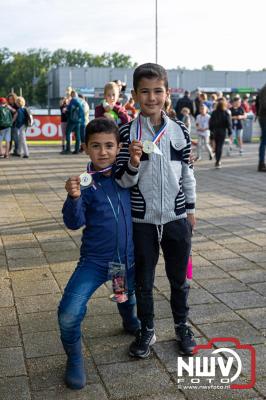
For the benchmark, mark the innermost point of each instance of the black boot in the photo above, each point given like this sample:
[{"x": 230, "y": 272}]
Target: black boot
[{"x": 262, "y": 167}]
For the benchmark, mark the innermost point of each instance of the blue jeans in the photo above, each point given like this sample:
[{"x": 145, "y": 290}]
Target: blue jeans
[
  {"x": 82, "y": 133},
  {"x": 86, "y": 278},
  {"x": 71, "y": 127},
  {"x": 262, "y": 121}
]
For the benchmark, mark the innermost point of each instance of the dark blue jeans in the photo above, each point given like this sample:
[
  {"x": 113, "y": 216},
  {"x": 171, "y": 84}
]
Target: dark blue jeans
[
  {"x": 176, "y": 246},
  {"x": 262, "y": 121},
  {"x": 86, "y": 278},
  {"x": 14, "y": 138},
  {"x": 71, "y": 127},
  {"x": 82, "y": 133}
]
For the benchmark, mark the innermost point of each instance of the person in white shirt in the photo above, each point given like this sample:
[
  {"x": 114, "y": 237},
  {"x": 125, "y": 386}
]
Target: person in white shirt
[{"x": 203, "y": 132}]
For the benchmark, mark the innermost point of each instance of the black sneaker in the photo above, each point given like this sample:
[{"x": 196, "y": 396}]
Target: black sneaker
[
  {"x": 185, "y": 338},
  {"x": 141, "y": 346}
]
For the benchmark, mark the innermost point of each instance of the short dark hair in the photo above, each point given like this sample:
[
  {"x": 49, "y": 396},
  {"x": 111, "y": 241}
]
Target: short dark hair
[
  {"x": 149, "y": 71},
  {"x": 99, "y": 125}
]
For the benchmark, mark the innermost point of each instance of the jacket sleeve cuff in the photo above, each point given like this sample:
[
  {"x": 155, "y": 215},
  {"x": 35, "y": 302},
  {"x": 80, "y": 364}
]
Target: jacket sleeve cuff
[
  {"x": 190, "y": 208},
  {"x": 131, "y": 170}
]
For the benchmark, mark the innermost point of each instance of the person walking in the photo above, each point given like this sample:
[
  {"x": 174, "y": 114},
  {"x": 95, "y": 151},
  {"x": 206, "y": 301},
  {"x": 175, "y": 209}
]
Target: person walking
[
  {"x": 261, "y": 113},
  {"x": 220, "y": 122},
  {"x": 21, "y": 125}
]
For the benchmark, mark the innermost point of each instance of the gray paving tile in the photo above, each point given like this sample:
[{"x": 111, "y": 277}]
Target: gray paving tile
[
  {"x": 259, "y": 287},
  {"x": 25, "y": 289},
  {"x": 257, "y": 275},
  {"x": 40, "y": 344},
  {"x": 255, "y": 316},
  {"x": 9, "y": 336},
  {"x": 45, "y": 302},
  {"x": 96, "y": 326},
  {"x": 217, "y": 254},
  {"x": 63, "y": 245},
  {"x": 48, "y": 372},
  {"x": 239, "y": 300},
  {"x": 238, "y": 329},
  {"x": 67, "y": 255},
  {"x": 209, "y": 273},
  {"x": 205, "y": 313},
  {"x": 38, "y": 322},
  {"x": 120, "y": 387},
  {"x": 15, "y": 388},
  {"x": 8, "y": 316},
  {"x": 12, "y": 362},
  {"x": 235, "y": 264},
  {"x": 31, "y": 275},
  {"x": 24, "y": 253},
  {"x": 223, "y": 285},
  {"x": 26, "y": 263},
  {"x": 92, "y": 392}
]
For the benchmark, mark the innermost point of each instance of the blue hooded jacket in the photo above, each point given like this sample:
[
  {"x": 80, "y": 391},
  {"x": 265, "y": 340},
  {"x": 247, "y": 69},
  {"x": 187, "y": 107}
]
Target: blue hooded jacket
[{"x": 102, "y": 235}]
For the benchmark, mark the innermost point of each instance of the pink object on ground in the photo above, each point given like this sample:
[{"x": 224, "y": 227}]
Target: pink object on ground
[{"x": 189, "y": 268}]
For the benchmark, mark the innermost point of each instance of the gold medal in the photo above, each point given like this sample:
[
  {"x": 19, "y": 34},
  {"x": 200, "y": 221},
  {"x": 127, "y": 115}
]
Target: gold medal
[
  {"x": 85, "y": 179},
  {"x": 148, "y": 147}
]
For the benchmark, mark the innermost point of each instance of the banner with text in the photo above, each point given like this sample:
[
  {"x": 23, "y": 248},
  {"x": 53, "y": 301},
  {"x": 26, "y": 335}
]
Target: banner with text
[{"x": 45, "y": 127}]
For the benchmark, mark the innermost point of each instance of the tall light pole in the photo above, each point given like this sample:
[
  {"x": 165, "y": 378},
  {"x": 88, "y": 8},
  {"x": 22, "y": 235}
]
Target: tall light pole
[{"x": 156, "y": 31}]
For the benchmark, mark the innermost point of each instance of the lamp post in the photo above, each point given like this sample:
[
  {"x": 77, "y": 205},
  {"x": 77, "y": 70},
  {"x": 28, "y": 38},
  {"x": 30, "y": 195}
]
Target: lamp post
[{"x": 156, "y": 31}]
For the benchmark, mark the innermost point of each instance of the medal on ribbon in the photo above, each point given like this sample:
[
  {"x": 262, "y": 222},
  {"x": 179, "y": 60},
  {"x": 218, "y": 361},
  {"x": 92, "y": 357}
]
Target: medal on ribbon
[
  {"x": 150, "y": 146},
  {"x": 86, "y": 177}
]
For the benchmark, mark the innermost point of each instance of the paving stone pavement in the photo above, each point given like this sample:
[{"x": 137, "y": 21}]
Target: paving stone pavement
[{"x": 38, "y": 254}]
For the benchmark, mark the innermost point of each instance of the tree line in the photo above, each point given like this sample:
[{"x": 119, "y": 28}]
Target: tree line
[{"x": 27, "y": 71}]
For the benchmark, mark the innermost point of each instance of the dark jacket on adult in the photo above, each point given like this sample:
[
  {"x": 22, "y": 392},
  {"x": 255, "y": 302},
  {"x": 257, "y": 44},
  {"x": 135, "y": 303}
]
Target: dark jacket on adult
[
  {"x": 219, "y": 123},
  {"x": 181, "y": 103}
]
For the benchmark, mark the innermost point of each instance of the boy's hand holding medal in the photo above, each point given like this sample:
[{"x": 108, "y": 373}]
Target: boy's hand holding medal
[
  {"x": 135, "y": 150},
  {"x": 72, "y": 187}
]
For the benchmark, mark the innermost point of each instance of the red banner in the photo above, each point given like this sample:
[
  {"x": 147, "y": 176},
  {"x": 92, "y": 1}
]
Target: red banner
[{"x": 45, "y": 127}]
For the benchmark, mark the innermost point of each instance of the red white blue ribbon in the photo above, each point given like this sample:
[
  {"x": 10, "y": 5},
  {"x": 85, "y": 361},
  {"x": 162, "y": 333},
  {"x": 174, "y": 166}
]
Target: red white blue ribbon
[
  {"x": 98, "y": 172},
  {"x": 158, "y": 135}
]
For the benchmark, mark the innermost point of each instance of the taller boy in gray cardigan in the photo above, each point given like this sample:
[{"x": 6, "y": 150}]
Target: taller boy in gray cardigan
[{"x": 162, "y": 201}]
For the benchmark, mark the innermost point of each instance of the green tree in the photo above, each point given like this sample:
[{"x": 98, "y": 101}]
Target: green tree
[
  {"x": 208, "y": 67},
  {"x": 28, "y": 70}
]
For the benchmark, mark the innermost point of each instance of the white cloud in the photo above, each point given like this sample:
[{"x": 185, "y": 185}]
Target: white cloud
[{"x": 229, "y": 35}]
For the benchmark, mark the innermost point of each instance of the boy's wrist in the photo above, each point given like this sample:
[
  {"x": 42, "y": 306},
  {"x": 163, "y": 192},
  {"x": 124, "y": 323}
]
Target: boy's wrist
[
  {"x": 133, "y": 169},
  {"x": 73, "y": 197}
]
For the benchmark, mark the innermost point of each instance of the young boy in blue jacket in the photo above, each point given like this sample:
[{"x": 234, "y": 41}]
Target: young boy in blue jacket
[
  {"x": 154, "y": 163},
  {"x": 104, "y": 209}
]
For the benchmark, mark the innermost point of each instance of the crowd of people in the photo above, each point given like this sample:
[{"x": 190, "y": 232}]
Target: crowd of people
[
  {"x": 75, "y": 113},
  {"x": 14, "y": 120},
  {"x": 216, "y": 118}
]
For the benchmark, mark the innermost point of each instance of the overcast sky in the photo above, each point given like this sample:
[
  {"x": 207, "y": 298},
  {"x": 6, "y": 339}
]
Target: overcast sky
[{"x": 228, "y": 34}]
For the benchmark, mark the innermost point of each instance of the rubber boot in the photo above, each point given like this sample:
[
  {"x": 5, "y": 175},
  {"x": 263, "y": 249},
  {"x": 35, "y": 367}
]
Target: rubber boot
[
  {"x": 75, "y": 376},
  {"x": 127, "y": 311}
]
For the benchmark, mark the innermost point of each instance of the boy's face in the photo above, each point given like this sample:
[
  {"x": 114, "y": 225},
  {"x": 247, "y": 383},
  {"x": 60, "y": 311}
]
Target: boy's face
[
  {"x": 151, "y": 95},
  {"x": 112, "y": 96},
  {"x": 102, "y": 149}
]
